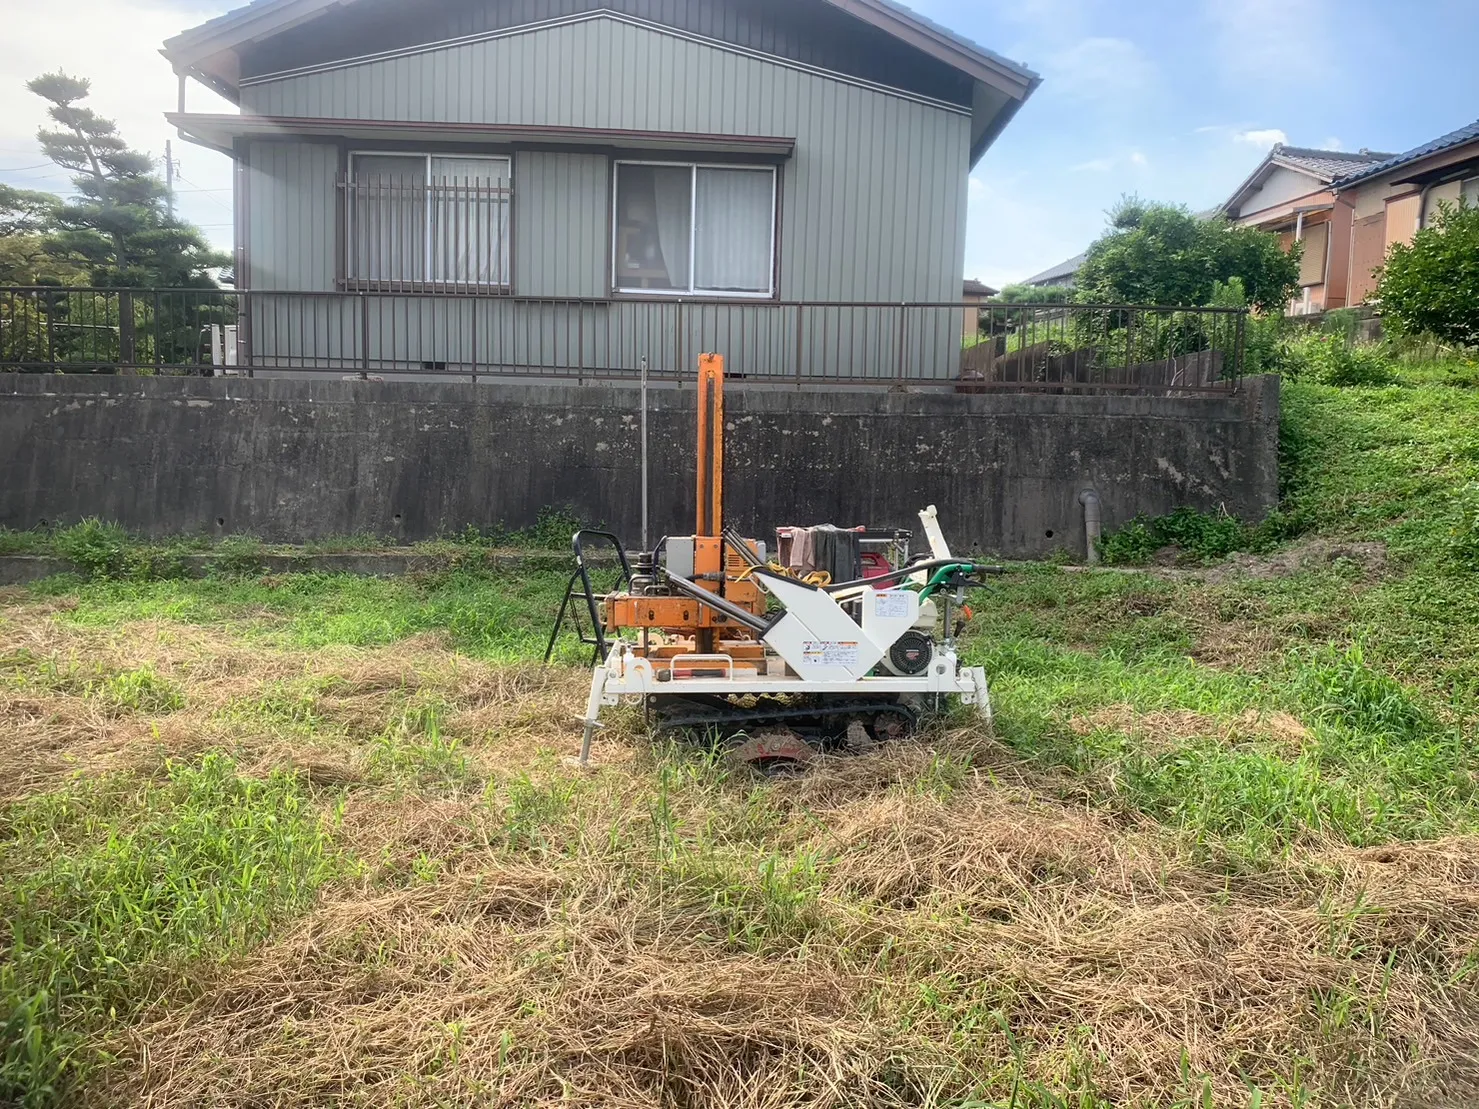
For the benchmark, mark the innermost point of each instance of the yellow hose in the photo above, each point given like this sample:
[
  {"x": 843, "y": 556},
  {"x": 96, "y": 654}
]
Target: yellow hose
[{"x": 819, "y": 578}]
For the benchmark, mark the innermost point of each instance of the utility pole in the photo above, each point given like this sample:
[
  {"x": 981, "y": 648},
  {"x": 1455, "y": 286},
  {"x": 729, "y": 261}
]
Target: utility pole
[{"x": 169, "y": 176}]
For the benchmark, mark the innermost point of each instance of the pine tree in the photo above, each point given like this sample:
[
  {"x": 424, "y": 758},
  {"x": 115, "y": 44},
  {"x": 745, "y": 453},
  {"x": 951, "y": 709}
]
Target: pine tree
[{"x": 118, "y": 225}]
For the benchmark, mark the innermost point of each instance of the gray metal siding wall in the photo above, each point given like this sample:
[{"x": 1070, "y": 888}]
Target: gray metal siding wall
[
  {"x": 872, "y": 202},
  {"x": 561, "y": 224},
  {"x": 291, "y": 215}
]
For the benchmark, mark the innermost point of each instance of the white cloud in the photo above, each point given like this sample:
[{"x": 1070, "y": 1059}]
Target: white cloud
[
  {"x": 1095, "y": 68},
  {"x": 1271, "y": 136},
  {"x": 1138, "y": 159},
  {"x": 1256, "y": 40},
  {"x": 1094, "y": 165},
  {"x": 1331, "y": 143},
  {"x": 119, "y": 52}
]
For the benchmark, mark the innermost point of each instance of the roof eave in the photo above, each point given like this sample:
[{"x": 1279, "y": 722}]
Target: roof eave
[
  {"x": 1014, "y": 80},
  {"x": 998, "y": 124},
  {"x": 187, "y": 49}
]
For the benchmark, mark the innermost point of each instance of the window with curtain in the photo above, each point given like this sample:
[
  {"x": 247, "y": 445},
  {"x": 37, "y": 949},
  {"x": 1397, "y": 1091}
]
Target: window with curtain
[
  {"x": 703, "y": 230},
  {"x": 1316, "y": 248},
  {"x": 437, "y": 220},
  {"x": 1469, "y": 190}
]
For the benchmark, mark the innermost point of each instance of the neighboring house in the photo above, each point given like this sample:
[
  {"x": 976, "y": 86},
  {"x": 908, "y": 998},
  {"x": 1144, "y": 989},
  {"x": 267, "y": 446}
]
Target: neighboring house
[
  {"x": 1348, "y": 209},
  {"x": 1391, "y": 201},
  {"x": 1065, "y": 273},
  {"x": 976, "y": 294},
  {"x": 565, "y": 187},
  {"x": 1291, "y": 193}
]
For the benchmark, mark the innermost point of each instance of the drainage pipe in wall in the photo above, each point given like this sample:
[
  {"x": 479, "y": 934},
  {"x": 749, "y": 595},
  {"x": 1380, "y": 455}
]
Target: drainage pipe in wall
[{"x": 1090, "y": 500}]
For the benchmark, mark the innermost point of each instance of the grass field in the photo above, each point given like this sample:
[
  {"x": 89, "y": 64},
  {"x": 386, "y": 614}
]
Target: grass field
[{"x": 309, "y": 840}]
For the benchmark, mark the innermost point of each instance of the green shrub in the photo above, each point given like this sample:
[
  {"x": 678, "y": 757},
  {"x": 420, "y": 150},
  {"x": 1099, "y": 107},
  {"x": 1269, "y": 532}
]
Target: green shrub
[
  {"x": 1344, "y": 323},
  {"x": 1430, "y": 286},
  {"x": 1162, "y": 254},
  {"x": 551, "y": 531},
  {"x": 1200, "y": 536},
  {"x": 1325, "y": 359},
  {"x": 24, "y": 542},
  {"x": 1463, "y": 541},
  {"x": 99, "y": 550}
]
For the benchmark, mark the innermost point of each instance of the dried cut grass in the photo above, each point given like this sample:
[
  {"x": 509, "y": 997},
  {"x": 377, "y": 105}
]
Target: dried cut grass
[
  {"x": 937, "y": 923},
  {"x": 515, "y": 986},
  {"x": 863, "y": 935},
  {"x": 49, "y": 734}
]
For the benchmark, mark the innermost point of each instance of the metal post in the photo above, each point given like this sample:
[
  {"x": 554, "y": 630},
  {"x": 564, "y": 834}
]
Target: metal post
[
  {"x": 900, "y": 367},
  {"x": 1238, "y": 351},
  {"x": 800, "y": 315},
  {"x": 364, "y": 337},
  {"x": 645, "y": 545},
  {"x": 125, "y": 328},
  {"x": 475, "y": 302}
]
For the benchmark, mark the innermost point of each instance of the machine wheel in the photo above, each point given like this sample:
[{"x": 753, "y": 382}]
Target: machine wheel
[{"x": 796, "y": 731}]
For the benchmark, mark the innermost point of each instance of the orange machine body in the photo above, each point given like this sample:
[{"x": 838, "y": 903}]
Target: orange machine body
[{"x": 687, "y": 626}]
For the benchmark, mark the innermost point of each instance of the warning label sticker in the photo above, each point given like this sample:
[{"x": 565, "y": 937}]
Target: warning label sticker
[
  {"x": 831, "y": 652},
  {"x": 891, "y": 604}
]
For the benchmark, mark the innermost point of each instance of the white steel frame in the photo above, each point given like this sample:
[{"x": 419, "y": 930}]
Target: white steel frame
[{"x": 626, "y": 675}]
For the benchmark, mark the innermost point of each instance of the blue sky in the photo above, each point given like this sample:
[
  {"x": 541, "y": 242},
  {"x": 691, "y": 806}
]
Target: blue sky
[
  {"x": 1173, "y": 99},
  {"x": 1177, "y": 100}
]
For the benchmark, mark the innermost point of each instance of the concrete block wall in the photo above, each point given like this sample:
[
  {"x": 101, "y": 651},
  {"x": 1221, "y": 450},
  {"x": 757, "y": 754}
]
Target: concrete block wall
[{"x": 292, "y": 460}]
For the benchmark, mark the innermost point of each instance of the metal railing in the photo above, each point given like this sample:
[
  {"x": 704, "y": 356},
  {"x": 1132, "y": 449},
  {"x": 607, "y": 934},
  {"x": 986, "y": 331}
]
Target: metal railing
[
  {"x": 421, "y": 335},
  {"x": 442, "y": 235}
]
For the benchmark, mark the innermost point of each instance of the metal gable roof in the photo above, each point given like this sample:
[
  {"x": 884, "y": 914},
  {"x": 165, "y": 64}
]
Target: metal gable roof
[
  {"x": 261, "y": 18},
  {"x": 211, "y": 52},
  {"x": 1463, "y": 135}
]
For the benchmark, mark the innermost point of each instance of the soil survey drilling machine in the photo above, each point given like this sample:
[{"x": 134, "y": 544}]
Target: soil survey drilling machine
[{"x": 716, "y": 639}]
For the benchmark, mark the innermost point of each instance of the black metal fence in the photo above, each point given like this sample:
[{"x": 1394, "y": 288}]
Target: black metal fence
[{"x": 407, "y": 335}]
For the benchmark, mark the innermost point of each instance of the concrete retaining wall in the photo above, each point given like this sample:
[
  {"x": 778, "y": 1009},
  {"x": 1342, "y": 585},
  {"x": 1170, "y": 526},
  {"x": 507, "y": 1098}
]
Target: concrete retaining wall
[{"x": 295, "y": 460}]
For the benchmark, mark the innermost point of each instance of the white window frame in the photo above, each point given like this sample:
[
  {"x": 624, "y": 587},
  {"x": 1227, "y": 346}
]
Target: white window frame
[
  {"x": 1469, "y": 184},
  {"x": 693, "y": 290},
  {"x": 426, "y": 278}
]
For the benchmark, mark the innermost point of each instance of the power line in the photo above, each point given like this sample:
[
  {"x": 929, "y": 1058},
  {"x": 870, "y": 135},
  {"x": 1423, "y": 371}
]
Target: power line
[
  {"x": 207, "y": 192},
  {"x": 23, "y": 169}
]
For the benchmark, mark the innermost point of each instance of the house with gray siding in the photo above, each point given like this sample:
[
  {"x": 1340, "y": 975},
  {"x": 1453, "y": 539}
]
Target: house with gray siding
[{"x": 571, "y": 187}]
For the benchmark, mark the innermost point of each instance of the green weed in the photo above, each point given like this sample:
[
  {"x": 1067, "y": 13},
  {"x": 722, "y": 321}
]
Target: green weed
[
  {"x": 1338, "y": 687},
  {"x": 501, "y": 617},
  {"x": 414, "y": 748},
  {"x": 113, "y": 889},
  {"x": 141, "y": 691}
]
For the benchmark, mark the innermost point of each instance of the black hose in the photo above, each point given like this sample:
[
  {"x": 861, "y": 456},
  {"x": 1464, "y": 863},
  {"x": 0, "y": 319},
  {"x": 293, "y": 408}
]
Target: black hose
[{"x": 915, "y": 568}]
